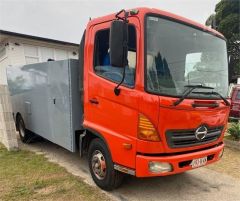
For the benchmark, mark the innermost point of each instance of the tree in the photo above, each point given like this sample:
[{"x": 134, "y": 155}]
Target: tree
[{"x": 227, "y": 21}]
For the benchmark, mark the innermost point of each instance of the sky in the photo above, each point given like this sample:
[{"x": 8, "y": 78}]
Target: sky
[{"x": 66, "y": 19}]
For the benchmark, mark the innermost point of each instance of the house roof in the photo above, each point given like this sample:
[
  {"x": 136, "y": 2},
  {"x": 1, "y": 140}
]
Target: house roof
[{"x": 4, "y": 32}]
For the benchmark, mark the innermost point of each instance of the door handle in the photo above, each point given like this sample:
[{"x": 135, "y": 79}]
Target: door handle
[{"x": 94, "y": 101}]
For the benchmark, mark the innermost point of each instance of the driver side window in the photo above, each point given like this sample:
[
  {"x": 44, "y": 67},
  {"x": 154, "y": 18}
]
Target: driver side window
[{"x": 102, "y": 65}]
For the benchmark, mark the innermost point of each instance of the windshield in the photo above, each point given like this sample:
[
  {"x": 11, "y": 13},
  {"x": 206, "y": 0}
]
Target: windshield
[{"x": 178, "y": 55}]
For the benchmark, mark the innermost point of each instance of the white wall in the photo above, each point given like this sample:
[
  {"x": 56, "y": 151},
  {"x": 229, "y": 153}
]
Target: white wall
[
  {"x": 25, "y": 51},
  {"x": 37, "y": 53},
  {"x": 3, "y": 64},
  {"x": 15, "y": 54}
]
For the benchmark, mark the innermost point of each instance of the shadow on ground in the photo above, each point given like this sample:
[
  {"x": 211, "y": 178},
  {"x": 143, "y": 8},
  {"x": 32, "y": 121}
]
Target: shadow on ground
[{"x": 200, "y": 184}]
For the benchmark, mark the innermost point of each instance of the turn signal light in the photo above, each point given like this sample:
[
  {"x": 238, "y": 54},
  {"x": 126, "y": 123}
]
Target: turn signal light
[{"x": 146, "y": 130}]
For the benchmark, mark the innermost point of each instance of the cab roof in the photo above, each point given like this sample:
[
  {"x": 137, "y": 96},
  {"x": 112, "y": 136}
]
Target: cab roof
[{"x": 143, "y": 11}]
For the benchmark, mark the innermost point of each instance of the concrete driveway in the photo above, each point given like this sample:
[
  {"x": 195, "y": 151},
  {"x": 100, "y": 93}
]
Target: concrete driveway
[{"x": 199, "y": 185}]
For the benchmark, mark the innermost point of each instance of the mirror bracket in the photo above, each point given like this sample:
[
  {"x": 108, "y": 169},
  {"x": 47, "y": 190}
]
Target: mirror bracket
[
  {"x": 126, "y": 14},
  {"x": 117, "y": 91}
]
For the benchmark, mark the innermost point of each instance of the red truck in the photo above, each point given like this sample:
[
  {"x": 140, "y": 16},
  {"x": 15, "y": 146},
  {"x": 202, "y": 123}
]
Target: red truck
[
  {"x": 235, "y": 102},
  {"x": 153, "y": 88}
]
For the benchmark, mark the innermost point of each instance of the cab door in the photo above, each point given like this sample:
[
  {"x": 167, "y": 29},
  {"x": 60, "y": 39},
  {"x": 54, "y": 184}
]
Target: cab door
[{"x": 114, "y": 117}]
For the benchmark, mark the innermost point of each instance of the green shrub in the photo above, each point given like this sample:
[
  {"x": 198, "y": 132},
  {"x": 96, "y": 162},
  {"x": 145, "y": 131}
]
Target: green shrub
[{"x": 234, "y": 130}]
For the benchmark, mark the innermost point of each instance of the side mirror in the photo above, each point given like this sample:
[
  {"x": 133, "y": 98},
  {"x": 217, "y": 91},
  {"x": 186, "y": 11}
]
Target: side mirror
[{"x": 118, "y": 43}]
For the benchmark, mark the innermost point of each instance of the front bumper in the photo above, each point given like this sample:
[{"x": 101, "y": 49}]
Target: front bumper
[{"x": 180, "y": 163}]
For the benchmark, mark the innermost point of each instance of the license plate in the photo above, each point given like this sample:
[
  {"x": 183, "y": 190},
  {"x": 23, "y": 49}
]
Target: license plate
[{"x": 198, "y": 162}]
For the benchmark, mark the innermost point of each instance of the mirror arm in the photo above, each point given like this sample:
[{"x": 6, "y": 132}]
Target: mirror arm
[
  {"x": 118, "y": 13},
  {"x": 116, "y": 89},
  {"x": 122, "y": 18}
]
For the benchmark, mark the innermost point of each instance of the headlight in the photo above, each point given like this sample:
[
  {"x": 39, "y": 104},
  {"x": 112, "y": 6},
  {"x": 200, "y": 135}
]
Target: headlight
[{"x": 159, "y": 167}]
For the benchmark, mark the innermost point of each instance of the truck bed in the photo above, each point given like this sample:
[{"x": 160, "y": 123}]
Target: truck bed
[{"x": 48, "y": 98}]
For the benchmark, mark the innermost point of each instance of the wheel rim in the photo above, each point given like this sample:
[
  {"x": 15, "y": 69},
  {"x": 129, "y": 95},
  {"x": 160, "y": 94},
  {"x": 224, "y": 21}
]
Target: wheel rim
[
  {"x": 98, "y": 165},
  {"x": 21, "y": 129}
]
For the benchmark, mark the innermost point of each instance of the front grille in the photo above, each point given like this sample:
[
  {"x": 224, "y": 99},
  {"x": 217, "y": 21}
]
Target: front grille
[{"x": 187, "y": 138}]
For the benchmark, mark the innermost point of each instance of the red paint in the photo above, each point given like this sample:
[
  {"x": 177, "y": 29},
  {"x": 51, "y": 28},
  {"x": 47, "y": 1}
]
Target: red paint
[
  {"x": 116, "y": 117},
  {"x": 142, "y": 161}
]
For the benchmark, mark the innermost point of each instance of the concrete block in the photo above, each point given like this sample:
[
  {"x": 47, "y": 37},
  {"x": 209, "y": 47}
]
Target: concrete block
[
  {"x": 1, "y": 107},
  {"x": 7, "y": 125},
  {"x": 6, "y": 104},
  {"x": 1, "y": 117},
  {"x": 2, "y": 126},
  {"x": 7, "y": 116},
  {"x": 12, "y": 145}
]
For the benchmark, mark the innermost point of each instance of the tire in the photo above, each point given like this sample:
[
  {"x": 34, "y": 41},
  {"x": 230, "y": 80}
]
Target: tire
[
  {"x": 25, "y": 136},
  {"x": 98, "y": 154}
]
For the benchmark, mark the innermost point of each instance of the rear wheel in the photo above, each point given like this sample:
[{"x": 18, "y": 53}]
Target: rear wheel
[
  {"x": 102, "y": 167},
  {"x": 25, "y": 136}
]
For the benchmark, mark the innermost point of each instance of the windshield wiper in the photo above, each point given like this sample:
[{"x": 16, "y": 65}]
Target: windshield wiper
[
  {"x": 214, "y": 93},
  {"x": 189, "y": 90}
]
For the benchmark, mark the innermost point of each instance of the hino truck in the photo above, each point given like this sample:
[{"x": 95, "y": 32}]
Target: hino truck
[{"x": 147, "y": 97}]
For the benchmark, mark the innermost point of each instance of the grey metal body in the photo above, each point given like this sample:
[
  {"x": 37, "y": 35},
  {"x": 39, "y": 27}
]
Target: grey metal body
[{"x": 47, "y": 97}]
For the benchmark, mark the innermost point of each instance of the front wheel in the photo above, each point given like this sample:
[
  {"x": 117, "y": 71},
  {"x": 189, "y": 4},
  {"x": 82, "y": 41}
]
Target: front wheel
[{"x": 102, "y": 167}]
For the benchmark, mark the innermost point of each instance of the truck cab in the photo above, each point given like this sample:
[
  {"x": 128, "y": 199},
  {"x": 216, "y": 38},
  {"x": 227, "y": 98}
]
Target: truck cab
[{"x": 171, "y": 111}]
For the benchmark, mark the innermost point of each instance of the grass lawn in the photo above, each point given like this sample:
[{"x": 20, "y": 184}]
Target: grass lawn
[{"x": 27, "y": 176}]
